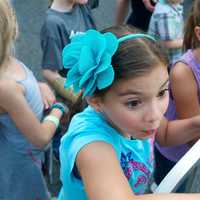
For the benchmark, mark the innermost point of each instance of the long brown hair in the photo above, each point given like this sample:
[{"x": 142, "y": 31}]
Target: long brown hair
[{"x": 190, "y": 40}]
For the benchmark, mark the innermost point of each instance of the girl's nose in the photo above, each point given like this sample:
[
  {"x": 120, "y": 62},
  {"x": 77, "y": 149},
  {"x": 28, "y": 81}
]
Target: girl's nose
[{"x": 153, "y": 113}]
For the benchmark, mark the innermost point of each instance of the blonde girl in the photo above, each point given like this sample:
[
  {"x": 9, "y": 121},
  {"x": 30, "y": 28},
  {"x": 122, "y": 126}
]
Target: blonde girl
[{"x": 22, "y": 134}]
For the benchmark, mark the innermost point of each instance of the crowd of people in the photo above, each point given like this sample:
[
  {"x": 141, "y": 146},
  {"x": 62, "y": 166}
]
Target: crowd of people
[{"x": 112, "y": 102}]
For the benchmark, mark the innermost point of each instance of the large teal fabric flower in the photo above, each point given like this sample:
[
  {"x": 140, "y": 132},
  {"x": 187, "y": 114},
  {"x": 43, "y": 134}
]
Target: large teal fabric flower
[{"x": 88, "y": 57}]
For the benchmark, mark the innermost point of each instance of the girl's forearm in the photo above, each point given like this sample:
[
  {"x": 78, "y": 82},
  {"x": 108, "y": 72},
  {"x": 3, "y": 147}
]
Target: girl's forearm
[
  {"x": 49, "y": 128},
  {"x": 178, "y": 132}
]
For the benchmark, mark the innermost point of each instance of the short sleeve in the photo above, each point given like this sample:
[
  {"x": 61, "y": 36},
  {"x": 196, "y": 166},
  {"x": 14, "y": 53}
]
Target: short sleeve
[
  {"x": 71, "y": 146},
  {"x": 53, "y": 38},
  {"x": 51, "y": 53}
]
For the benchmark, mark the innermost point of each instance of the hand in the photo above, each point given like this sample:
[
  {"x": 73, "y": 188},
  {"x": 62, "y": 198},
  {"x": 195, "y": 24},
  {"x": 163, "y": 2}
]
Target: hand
[
  {"x": 148, "y": 5},
  {"x": 65, "y": 117},
  {"x": 61, "y": 106},
  {"x": 48, "y": 96}
]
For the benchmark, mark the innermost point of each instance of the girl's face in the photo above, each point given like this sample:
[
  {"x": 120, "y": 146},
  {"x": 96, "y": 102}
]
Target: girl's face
[{"x": 136, "y": 106}]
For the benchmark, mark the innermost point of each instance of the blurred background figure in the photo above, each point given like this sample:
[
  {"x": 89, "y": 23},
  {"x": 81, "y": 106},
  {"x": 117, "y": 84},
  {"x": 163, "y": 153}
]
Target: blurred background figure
[{"x": 140, "y": 12}]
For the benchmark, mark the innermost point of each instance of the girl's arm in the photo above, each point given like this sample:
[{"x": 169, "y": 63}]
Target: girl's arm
[
  {"x": 186, "y": 98},
  {"x": 185, "y": 94},
  {"x": 13, "y": 102},
  {"x": 121, "y": 11},
  {"x": 184, "y": 91},
  {"x": 104, "y": 179},
  {"x": 177, "y": 132}
]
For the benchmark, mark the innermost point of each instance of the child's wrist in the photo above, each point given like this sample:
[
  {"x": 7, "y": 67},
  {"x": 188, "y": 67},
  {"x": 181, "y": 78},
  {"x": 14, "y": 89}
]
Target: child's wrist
[
  {"x": 51, "y": 118},
  {"x": 61, "y": 107}
]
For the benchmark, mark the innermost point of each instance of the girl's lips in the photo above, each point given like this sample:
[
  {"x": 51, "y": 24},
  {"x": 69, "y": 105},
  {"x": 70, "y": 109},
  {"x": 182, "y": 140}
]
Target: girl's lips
[{"x": 150, "y": 132}]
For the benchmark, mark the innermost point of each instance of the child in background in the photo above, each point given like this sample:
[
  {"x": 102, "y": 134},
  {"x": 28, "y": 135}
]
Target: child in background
[
  {"x": 64, "y": 19},
  {"x": 166, "y": 24},
  {"x": 107, "y": 152},
  {"x": 22, "y": 136},
  {"x": 184, "y": 96},
  {"x": 141, "y": 11}
]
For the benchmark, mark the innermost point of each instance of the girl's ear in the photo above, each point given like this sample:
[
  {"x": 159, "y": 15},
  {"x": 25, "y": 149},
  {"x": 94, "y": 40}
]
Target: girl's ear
[
  {"x": 197, "y": 32},
  {"x": 95, "y": 102}
]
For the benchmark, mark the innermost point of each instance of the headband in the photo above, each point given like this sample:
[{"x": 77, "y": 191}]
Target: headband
[
  {"x": 135, "y": 36},
  {"x": 88, "y": 58}
]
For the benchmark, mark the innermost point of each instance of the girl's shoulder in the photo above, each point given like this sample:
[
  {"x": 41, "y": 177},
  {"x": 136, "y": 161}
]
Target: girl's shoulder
[
  {"x": 14, "y": 72},
  {"x": 181, "y": 72},
  {"x": 9, "y": 91},
  {"x": 9, "y": 86},
  {"x": 187, "y": 62}
]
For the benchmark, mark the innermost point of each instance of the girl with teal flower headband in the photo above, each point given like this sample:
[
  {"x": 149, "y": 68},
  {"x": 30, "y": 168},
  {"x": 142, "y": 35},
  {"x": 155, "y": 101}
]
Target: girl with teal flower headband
[{"x": 107, "y": 152}]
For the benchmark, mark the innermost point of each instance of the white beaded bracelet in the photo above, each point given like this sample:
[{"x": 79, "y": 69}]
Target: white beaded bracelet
[{"x": 52, "y": 119}]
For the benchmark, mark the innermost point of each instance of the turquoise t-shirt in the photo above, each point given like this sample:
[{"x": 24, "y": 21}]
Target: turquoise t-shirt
[{"x": 135, "y": 156}]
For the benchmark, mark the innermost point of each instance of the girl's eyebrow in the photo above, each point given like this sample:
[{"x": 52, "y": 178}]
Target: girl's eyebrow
[
  {"x": 129, "y": 92},
  {"x": 165, "y": 83},
  {"x": 132, "y": 92}
]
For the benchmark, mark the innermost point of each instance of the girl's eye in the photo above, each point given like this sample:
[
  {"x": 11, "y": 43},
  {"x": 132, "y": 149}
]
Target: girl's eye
[
  {"x": 162, "y": 93},
  {"x": 132, "y": 104}
]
